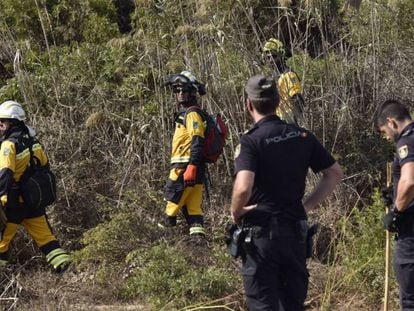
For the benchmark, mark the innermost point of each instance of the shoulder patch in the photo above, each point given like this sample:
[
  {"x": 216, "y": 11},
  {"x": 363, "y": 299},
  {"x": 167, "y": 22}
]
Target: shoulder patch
[
  {"x": 195, "y": 125},
  {"x": 237, "y": 151},
  {"x": 6, "y": 152},
  {"x": 403, "y": 152}
]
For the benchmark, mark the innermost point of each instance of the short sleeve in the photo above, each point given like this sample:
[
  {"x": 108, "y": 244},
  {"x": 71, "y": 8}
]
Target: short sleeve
[
  {"x": 405, "y": 150},
  {"x": 320, "y": 158},
  {"x": 246, "y": 156}
]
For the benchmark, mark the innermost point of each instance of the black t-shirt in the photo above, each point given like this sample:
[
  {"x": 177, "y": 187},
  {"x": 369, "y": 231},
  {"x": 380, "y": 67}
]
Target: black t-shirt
[
  {"x": 404, "y": 154},
  {"x": 280, "y": 155}
]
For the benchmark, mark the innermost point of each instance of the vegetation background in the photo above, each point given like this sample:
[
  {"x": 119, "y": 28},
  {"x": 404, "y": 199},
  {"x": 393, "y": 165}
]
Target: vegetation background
[{"x": 90, "y": 76}]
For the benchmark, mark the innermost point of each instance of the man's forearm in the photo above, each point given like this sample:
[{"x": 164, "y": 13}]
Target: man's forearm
[
  {"x": 405, "y": 195},
  {"x": 242, "y": 190},
  {"x": 330, "y": 178},
  {"x": 239, "y": 200},
  {"x": 319, "y": 193}
]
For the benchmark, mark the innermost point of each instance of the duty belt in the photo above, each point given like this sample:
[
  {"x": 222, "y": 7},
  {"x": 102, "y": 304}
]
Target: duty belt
[{"x": 274, "y": 229}]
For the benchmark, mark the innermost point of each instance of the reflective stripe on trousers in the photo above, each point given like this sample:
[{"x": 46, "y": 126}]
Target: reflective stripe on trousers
[{"x": 57, "y": 257}]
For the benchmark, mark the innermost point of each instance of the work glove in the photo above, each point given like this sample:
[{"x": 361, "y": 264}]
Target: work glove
[
  {"x": 190, "y": 175},
  {"x": 386, "y": 195},
  {"x": 392, "y": 220}
]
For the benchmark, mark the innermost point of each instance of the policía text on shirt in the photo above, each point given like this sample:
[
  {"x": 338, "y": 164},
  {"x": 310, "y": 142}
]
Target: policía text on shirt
[{"x": 278, "y": 139}]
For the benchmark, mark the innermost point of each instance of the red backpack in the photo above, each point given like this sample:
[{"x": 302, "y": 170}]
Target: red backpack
[{"x": 215, "y": 135}]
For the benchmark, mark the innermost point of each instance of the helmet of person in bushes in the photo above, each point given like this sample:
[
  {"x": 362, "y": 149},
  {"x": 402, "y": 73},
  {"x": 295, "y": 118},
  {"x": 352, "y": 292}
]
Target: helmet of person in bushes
[
  {"x": 12, "y": 110},
  {"x": 274, "y": 46}
]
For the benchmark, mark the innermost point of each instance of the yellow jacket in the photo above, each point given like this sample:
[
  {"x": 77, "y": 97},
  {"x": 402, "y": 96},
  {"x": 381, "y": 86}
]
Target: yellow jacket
[
  {"x": 15, "y": 158},
  {"x": 188, "y": 139},
  {"x": 288, "y": 86}
]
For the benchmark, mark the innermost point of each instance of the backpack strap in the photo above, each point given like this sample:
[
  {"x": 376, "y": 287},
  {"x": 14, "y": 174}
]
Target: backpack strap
[
  {"x": 32, "y": 164},
  {"x": 30, "y": 142}
]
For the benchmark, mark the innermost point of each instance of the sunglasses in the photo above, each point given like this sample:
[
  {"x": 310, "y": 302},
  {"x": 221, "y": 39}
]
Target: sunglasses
[
  {"x": 179, "y": 89},
  {"x": 270, "y": 55}
]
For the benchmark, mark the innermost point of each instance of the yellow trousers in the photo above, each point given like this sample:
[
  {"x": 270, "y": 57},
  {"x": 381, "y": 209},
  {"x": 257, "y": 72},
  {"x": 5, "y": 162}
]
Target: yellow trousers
[
  {"x": 191, "y": 198},
  {"x": 38, "y": 228}
]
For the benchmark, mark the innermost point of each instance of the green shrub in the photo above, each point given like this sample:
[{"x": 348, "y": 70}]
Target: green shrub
[
  {"x": 130, "y": 227},
  {"x": 363, "y": 250},
  {"x": 167, "y": 275}
]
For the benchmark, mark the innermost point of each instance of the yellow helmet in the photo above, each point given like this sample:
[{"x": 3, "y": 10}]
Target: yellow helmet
[
  {"x": 12, "y": 110},
  {"x": 274, "y": 46}
]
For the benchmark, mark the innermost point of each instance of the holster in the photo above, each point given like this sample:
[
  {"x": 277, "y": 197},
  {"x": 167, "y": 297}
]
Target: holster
[
  {"x": 302, "y": 228},
  {"x": 236, "y": 238},
  {"x": 311, "y": 231}
]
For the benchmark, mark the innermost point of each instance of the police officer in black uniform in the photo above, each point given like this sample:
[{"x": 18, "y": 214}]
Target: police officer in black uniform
[
  {"x": 394, "y": 121},
  {"x": 271, "y": 164}
]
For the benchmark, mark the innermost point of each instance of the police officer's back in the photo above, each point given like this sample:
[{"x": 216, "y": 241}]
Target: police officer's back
[
  {"x": 271, "y": 165},
  {"x": 283, "y": 154}
]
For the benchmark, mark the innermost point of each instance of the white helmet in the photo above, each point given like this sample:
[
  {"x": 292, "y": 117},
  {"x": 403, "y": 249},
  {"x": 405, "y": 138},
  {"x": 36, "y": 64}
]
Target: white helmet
[
  {"x": 200, "y": 87},
  {"x": 189, "y": 75},
  {"x": 12, "y": 110}
]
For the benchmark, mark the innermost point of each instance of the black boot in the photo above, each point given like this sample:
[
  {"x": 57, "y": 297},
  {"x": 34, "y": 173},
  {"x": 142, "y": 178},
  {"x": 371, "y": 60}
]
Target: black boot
[{"x": 167, "y": 222}]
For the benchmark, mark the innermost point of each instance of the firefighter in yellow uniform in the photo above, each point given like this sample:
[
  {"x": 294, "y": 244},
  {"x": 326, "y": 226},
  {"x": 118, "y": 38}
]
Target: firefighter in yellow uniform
[
  {"x": 14, "y": 160},
  {"x": 288, "y": 82},
  {"x": 184, "y": 187}
]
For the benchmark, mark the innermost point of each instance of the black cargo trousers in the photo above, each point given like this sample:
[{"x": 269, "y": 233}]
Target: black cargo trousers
[
  {"x": 404, "y": 268},
  {"x": 274, "y": 269}
]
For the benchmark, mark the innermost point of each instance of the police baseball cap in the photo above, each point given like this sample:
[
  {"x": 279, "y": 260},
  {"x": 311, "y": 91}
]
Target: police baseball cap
[{"x": 260, "y": 87}]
